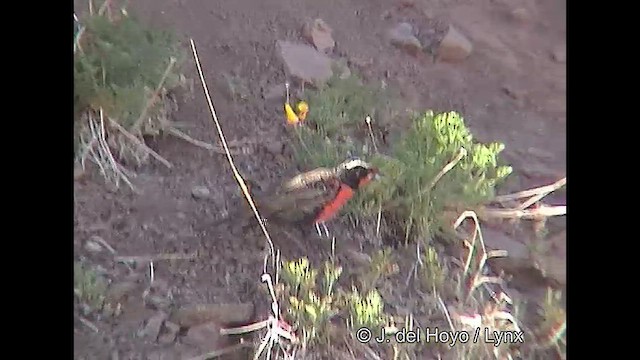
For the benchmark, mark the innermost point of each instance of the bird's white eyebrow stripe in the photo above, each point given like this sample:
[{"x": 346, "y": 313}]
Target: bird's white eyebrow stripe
[{"x": 354, "y": 163}]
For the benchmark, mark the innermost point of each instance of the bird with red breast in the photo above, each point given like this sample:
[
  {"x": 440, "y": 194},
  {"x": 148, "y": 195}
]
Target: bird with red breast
[{"x": 314, "y": 197}]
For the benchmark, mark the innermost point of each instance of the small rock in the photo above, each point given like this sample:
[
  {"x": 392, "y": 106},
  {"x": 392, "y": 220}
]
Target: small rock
[
  {"x": 521, "y": 15},
  {"x": 181, "y": 215},
  {"x": 454, "y": 46},
  {"x": 154, "y": 325},
  {"x": 169, "y": 334},
  {"x": 318, "y": 33},
  {"x": 559, "y": 55},
  {"x": 512, "y": 93},
  {"x": 305, "y": 63},
  {"x": 402, "y": 36},
  {"x": 200, "y": 192},
  {"x": 223, "y": 313},
  {"x": 93, "y": 246},
  {"x": 206, "y": 336}
]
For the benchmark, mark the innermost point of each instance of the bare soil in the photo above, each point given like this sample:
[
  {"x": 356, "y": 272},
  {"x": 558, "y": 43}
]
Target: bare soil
[{"x": 511, "y": 89}]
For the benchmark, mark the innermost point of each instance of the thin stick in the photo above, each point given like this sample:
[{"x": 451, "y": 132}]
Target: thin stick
[
  {"x": 104, "y": 148},
  {"x": 238, "y": 177},
  {"x": 446, "y": 313},
  {"x": 157, "y": 257},
  {"x": 88, "y": 324},
  {"x": 379, "y": 220},
  {"x": 530, "y": 214},
  {"x": 104, "y": 243},
  {"x": 175, "y": 132},
  {"x": 547, "y": 189},
  {"x": 373, "y": 140},
  {"x": 462, "y": 153},
  {"x": 103, "y": 7},
  {"x": 152, "y": 99},
  {"x": 137, "y": 141}
]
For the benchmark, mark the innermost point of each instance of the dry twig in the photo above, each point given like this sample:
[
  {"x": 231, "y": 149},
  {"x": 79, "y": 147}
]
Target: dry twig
[
  {"x": 543, "y": 190},
  {"x": 141, "y": 144},
  {"x": 157, "y": 257},
  {"x": 177, "y": 133}
]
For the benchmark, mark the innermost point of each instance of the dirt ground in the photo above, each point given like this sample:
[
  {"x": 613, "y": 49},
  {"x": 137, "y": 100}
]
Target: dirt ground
[{"x": 511, "y": 89}]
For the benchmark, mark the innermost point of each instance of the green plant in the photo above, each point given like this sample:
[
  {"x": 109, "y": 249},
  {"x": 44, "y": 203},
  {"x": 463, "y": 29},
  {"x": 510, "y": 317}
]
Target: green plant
[
  {"x": 382, "y": 266},
  {"x": 88, "y": 286},
  {"x": 118, "y": 64},
  {"x": 336, "y": 121},
  {"x": 366, "y": 311},
  {"x": 433, "y": 273},
  {"x": 429, "y": 173},
  {"x": 124, "y": 72},
  {"x": 416, "y": 190},
  {"x": 310, "y": 309}
]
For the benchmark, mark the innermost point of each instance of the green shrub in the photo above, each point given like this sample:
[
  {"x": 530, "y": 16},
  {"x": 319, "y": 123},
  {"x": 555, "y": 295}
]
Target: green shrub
[
  {"x": 411, "y": 194},
  {"x": 119, "y": 64}
]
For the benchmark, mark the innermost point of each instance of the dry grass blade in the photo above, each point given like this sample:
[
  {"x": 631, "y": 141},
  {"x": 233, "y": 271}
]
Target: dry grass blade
[
  {"x": 158, "y": 257},
  {"x": 140, "y": 144},
  {"x": 530, "y": 214},
  {"x": 177, "y": 133},
  {"x": 153, "y": 98},
  {"x": 101, "y": 154},
  {"x": 547, "y": 189},
  {"x": 88, "y": 324},
  {"x": 462, "y": 153},
  {"x": 238, "y": 177},
  {"x": 476, "y": 279}
]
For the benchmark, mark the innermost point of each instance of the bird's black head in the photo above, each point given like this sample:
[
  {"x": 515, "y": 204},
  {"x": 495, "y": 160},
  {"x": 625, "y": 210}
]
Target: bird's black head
[{"x": 356, "y": 173}]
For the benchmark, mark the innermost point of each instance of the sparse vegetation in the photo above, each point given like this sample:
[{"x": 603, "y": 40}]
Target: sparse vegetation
[
  {"x": 415, "y": 191},
  {"x": 436, "y": 169},
  {"x": 89, "y": 287},
  {"x": 124, "y": 73}
]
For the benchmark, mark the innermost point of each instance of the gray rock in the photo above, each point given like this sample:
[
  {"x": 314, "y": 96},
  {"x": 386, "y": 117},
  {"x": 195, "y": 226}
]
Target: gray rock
[
  {"x": 92, "y": 246},
  {"x": 454, "y": 46},
  {"x": 153, "y": 326},
  {"x": 194, "y": 315},
  {"x": 205, "y": 336},
  {"x": 200, "y": 192},
  {"x": 305, "y": 63},
  {"x": 169, "y": 334},
  {"x": 521, "y": 15},
  {"x": 318, "y": 33},
  {"x": 402, "y": 36}
]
